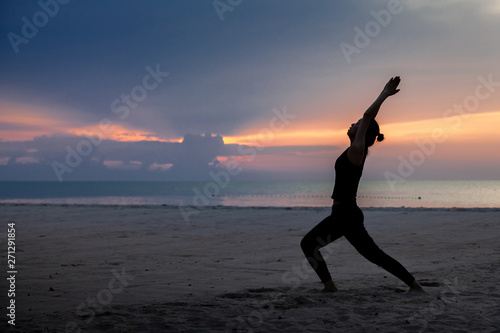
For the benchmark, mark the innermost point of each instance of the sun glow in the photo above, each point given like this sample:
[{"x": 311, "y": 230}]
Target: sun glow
[
  {"x": 119, "y": 133},
  {"x": 456, "y": 127},
  {"x": 25, "y": 122},
  {"x": 295, "y": 137}
]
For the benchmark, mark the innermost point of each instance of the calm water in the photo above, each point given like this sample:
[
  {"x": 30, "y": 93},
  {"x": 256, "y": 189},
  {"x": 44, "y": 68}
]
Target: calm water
[{"x": 446, "y": 194}]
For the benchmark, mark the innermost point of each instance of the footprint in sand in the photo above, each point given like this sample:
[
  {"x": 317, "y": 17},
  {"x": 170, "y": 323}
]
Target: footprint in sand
[{"x": 429, "y": 283}]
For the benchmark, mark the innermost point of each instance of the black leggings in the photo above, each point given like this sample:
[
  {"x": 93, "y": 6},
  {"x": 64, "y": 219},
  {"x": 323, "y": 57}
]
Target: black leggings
[{"x": 347, "y": 220}]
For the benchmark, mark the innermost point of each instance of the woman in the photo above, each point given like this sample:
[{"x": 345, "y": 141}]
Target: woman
[{"x": 346, "y": 218}]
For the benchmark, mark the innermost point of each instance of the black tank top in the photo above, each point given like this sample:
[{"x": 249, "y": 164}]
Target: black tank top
[{"x": 347, "y": 176}]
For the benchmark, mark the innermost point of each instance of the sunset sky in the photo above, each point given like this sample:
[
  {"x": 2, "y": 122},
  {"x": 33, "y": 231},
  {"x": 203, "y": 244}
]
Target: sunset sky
[{"x": 174, "y": 90}]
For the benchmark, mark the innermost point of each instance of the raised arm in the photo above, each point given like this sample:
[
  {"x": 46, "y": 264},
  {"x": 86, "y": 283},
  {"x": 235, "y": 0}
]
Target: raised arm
[{"x": 356, "y": 152}]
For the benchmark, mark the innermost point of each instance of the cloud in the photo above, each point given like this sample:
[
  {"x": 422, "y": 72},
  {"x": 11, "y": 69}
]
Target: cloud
[
  {"x": 226, "y": 77},
  {"x": 90, "y": 158},
  {"x": 223, "y": 75}
]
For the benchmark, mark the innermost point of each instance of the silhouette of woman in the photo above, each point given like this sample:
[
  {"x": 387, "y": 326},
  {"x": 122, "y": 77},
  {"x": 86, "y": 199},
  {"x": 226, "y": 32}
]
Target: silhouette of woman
[{"x": 347, "y": 218}]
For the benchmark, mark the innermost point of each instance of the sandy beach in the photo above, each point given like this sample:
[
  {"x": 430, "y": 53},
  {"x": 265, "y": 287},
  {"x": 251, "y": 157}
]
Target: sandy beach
[{"x": 145, "y": 269}]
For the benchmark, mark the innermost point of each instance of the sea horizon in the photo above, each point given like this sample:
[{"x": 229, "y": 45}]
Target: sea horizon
[{"x": 410, "y": 193}]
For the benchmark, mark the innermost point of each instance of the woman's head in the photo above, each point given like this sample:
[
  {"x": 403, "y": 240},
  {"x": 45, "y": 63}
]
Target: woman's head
[{"x": 372, "y": 134}]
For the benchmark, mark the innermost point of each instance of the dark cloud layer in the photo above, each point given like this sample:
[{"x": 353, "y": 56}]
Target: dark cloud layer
[{"x": 89, "y": 158}]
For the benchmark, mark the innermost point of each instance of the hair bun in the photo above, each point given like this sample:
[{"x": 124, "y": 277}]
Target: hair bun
[{"x": 380, "y": 137}]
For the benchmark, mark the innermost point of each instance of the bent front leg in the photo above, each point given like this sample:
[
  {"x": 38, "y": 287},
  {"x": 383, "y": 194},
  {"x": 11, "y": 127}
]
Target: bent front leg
[{"x": 320, "y": 236}]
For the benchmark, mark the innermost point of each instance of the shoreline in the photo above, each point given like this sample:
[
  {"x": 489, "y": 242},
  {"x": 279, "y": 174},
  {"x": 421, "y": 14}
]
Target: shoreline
[{"x": 208, "y": 207}]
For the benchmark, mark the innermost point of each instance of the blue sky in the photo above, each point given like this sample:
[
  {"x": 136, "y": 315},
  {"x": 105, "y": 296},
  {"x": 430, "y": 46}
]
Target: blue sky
[
  {"x": 226, "y": 76},
  {"x": 223, "y": 73}
]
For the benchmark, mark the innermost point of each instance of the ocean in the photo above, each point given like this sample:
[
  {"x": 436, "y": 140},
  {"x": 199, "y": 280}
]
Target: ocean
[{"x": 427, "y": 194}]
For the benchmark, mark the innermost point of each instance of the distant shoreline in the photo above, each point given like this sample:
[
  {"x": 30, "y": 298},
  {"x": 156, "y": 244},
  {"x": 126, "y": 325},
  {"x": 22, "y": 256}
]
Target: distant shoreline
[
  {"x": 214, "y": 207},
  {"x": 415, "y": 194}
]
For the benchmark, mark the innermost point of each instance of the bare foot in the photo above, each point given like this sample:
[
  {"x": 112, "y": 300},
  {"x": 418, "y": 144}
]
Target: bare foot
[
  {"x": 330, "y": 287},
  {"x": 415, "y": 287}
]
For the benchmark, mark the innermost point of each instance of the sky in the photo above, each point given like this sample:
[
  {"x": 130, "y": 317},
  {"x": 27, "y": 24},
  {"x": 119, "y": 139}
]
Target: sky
[{"x": 257, "y": 90}]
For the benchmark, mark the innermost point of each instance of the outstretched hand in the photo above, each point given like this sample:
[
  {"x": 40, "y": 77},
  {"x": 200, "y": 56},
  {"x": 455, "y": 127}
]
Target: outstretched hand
[{"x": 391, "y": 87}]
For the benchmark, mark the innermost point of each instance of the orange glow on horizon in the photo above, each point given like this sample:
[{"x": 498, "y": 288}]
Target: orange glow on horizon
[
  {"x": 457, "y": 127},
  {"x": 29, "y": 121},
  {"x": 288, "y": 138},
  {"x": 24, "y": 122},
  {"x": 118, "y": 132}
]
